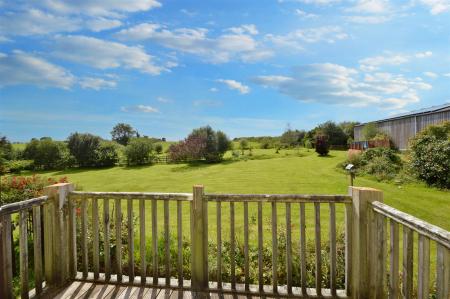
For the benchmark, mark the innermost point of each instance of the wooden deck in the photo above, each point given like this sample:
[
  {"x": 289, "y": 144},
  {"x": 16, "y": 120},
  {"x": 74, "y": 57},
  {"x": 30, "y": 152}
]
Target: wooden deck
[{"x": 84, "y": 290}]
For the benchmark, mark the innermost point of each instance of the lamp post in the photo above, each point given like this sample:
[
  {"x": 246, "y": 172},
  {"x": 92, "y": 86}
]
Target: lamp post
[{"x": 351, "y": 171}]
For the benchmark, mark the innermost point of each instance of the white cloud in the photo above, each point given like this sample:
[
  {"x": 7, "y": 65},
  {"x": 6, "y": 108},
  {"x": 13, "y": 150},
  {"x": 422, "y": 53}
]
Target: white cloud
[
  {"x": 96, "y": 83},
  {"x": 195, "y": 41},
  {"x": 447, "y": 75},
  {"x": 431, "y": 75},
  {"x": 371, "y": 6},
  {"x": 296, "y": 39},
  {"x": 104, "y": 54},
  {"x": 388, "y": 58},
  {"x": 304, "y": 14},
  {"x": 140, "y": 108},
  {"x": 338, "y": 85},
  {"x": 34, "y": 22},
  {"x": 244, "y": 29},
  {"x": 315, "y": 2},
  {"x": 213, "y": 89},
  {"x": 23, "y": 68},
  {"x": 233, "y": 84},
  {"x": 164, "y": 100},
  {"x": 100, "y": 24},
  {"x": 437, "y": 6},
  {"x": 99, "y": 7},
  {"x": 188, "y": 12}
]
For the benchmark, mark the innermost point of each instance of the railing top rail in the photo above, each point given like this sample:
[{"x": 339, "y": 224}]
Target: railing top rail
[
  {"x": 424, "y": 228},
  {"x": 22, "y": 205},
  {"x": 293, "y": 198},
  {"x": 132, "y": 195}
]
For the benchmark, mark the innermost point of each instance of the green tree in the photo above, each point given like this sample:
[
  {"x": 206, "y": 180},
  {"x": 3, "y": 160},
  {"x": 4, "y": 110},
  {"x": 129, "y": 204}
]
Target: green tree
[
  {"x": 106, "y": 154},
  {"x": 213, "y": 150},
  {"x": 47, "y": 154},
  {"x": 84, "y": 148},
  {"x": 336, "y": 136},
  {"x": 139, "y": 151},
  {"x": 6, "y": 153},
  {"x": 243, "y": 145},
  {"x": 158, "y": 148},
  {"x": 292, "y": 138},
  {"x": 122, "y": 133},
  {"x": 369, "y": 131}
]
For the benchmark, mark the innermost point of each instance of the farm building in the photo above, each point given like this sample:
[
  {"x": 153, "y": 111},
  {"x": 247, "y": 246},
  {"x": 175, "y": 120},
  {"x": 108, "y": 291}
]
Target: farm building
[{"x": 404, "y": 126}]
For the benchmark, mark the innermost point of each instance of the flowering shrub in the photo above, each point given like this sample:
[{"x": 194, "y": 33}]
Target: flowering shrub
[{"x": 18, "y": 188}]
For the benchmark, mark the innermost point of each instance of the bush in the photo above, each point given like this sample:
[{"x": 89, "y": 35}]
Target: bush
[
  {"x": 369, "y": 131},
  {"x": 106, "y": 154},
  {"x": 122, "y": 133},
  {"x": 322, "y": 146},
  {"x": 430, "y": 155},
  {"x": 84, "y": 148},
  {"x": 139, "y": 151},
  {"x": 16, "y": 166},
  {"x": 335, "y": 134},
  {"x": 158, "y": 148},
  {"x": 47, "y": 154}
]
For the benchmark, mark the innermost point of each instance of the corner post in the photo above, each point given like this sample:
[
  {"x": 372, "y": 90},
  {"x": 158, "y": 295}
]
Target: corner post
[
  {"x": 199, "y": 239},
  {"x": 56, "y": 233},
  {"x": 6, "y": 274},
  {"x": 363, "y": 233}
]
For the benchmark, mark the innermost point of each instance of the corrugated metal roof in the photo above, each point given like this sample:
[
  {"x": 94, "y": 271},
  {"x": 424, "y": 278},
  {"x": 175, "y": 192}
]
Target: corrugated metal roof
[{"x": 413, "y": 113}]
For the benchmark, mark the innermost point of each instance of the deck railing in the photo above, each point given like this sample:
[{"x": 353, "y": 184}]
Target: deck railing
[{"x": 91, "y": 236}]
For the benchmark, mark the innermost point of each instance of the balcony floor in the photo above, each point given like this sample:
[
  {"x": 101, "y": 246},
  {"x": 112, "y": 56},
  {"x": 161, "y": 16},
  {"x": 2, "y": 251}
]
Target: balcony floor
[{"x": 82, "y": 289}]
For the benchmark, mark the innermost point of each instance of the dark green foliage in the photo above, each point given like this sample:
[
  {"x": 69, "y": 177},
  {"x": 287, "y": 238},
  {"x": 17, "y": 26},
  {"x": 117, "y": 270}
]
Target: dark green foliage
[
  {"x": 335, "y": 134},
  {"x": 47, "y": 154},
  {"x": 84, "y": 148},
  {"x": 348, "y": 128},
  {"x": 369, "y": 131},
  {"x": 158, "y": 148},
  {"x": 16, "y": 166},
  {"x": 322, "y": 145},
  {"x": 6, "y": 153},
  {"x": 106, "y": 154},
  {"x": 292, "y": 138},
  {"x": 430, "y": 155},
  {"x": 139, "y": 151},
  {"x": 122, "y": 133}
]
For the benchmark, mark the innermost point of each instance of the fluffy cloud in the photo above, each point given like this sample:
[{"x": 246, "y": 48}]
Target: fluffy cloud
[
  {"x": 104, "y": 54},
  {"x": 304, "y": 14},
  {"x": 99, "y": 7},
  {"x": 335, "y": 84},
  {"x": 221, "y": 49},
  {"x": 100, "y": 24},
  {"x": 371, "y": 6},
  {"x": 296, "y": 39},
  {"x": 431, "y": 75},
  {"x": 140, "y": 108},
  {"x": 315, "y": 2},
  {"x": 233, "y": 84},
  {"x": 437, "y": 6},
  {"x": 23, "y": 68}
]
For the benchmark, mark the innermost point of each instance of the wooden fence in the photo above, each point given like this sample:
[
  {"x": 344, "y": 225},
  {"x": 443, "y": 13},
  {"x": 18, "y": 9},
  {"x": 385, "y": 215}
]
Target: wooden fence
[{"x": 73, "y": 221}]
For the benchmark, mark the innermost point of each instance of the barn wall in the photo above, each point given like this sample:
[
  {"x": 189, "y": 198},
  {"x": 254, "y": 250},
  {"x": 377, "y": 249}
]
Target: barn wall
[{"x": 401, "y": 130}]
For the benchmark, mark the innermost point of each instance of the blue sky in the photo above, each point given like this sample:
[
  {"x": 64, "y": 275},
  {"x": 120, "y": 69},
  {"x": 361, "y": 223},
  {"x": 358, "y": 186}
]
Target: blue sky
[{"x": 245, "y": 67}]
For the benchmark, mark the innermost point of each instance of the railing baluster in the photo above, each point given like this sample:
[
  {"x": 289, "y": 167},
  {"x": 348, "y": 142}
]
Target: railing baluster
[
  {"x": 166, "y": 241},
  {"x": 180, "y": 242},
  {"x": 84, "y": 240},
  {"x": 408, "y": 244},
  {"x": 288, "y": 248},
  {"x": 142, "y": 248},
  {"x": 260, "y": 247},
  {"x": 274, "y": 249},
  {"x": 303, "y": 249},
  {"x": 424, "y": 267},
  {"x": 381, "y": 255},
  {"x": 318, "y": 250},
  {"x": 333, "y": 249},
  {"x": 219, "y": 244},
  {"x": 72, "y": 239},
  {"x": 232, "y": 248},
  {"x": 443, "y": 272},
  {"x": 118, "y": 228},
  {"x": 23, "y": 247},
  {"x": 246, "y": 259},
  {"x": 394, "y": 261},
  {"x": 37, "y": 248},
  {"x": 348, "y": 248},
  {"x": 130, "y": 239},
  {"x": 155, "y": 241},
  {"x": 6, "y": 286},
  {"x": 95, "y": 232},
  {"x": 106, "y": 244}
]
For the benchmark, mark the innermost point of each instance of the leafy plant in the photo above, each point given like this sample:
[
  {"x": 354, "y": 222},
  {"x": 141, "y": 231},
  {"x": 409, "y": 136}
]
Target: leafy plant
[
  {"x": 139, "y": 151},
  {"x": 322, "y": 146}
]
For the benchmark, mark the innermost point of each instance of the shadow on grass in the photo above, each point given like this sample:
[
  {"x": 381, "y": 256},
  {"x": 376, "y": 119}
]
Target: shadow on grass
[{"x": 201, "y": 165}]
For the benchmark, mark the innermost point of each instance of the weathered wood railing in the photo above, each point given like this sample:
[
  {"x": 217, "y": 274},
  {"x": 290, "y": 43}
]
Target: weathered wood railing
[{"x": 87, "y": 237}]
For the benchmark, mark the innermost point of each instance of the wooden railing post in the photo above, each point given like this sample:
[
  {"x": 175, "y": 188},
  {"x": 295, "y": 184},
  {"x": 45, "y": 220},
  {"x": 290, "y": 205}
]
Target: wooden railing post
[
  {"x": 5, "y": 257},
  {"x": 57, "y": 234},
  {"x": 362, "y": 253},
  {"x": 199, "y": 240}
]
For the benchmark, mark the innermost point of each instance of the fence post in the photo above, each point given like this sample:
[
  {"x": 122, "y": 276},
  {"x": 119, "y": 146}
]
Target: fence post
[
  {"x": 56, "y": 234},
  {"x": 362, "y": 280},
  {"x": 5, "y": 257},
  {"x": 199, "y": 239}
]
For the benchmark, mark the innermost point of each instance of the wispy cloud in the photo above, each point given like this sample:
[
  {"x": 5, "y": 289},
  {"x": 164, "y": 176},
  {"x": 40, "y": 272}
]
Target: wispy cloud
[
  {"x": 390, "y": 59},
  {"x": 437, "y": 6},
  {"x": 431, "y": 75},
  {"x": 164, "y": 100},
  {"x": 233, "y": 84},
  {"x": 97, "y": 83},
  {"x": 140, "y": 108}
]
